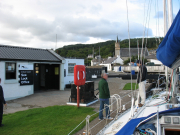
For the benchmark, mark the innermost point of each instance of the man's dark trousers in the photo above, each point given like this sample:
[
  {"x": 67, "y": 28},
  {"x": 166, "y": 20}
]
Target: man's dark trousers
[{"x": 1, "y": 112}]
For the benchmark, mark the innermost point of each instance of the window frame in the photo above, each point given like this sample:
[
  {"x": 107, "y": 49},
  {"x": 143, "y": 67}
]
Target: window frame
[
  {"x": 8, "y": 75},
  {"x": 71, "y": 73}
]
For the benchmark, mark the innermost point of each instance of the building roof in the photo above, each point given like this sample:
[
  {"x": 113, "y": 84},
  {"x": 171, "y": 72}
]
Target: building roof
[
  {"x": 124, "y": 52},
  {"x": 97, "y": 60},
  {"x": 110, "y": 60},
  {"x": 152, "y": 56},
  {"x": 29, "y": 54}
]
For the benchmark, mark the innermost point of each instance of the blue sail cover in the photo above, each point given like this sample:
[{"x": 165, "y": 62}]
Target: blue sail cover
[
  {"x": 169, "y": 48},
  {"x": 129, "y": 128}
]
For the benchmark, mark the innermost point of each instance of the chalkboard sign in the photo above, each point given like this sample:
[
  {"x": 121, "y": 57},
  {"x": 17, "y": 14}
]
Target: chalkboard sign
[{"x": 26, "y": 77}]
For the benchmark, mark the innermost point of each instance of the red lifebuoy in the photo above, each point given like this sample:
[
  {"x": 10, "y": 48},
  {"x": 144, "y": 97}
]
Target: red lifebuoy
[{"x": 79, "y": 75}]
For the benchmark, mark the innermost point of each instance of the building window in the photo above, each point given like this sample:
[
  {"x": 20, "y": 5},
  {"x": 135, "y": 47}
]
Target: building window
[
  {"x": 56, "y": 70},
  {"x": 10, "y": 70},
  {"x": 71, "y": 68}
]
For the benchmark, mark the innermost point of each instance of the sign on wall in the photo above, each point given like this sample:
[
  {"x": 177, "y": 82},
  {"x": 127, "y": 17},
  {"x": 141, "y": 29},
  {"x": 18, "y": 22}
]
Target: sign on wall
[
  {"x": 26, "y": 74},
  {"x": 26, "y": 77},
  {"x": 25, "y": 67}
]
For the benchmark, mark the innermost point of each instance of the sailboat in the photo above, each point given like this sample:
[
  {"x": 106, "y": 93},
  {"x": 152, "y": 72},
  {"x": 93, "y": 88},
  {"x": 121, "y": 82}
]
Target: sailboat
[{"x": 160, "y": 114}]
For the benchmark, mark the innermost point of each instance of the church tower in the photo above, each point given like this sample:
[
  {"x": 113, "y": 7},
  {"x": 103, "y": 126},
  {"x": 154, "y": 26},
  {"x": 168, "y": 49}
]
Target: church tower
[{"x": 117, "y": 47}]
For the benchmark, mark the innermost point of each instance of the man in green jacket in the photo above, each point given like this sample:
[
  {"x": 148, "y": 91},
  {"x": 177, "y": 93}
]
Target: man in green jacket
[{"x": 104, "y": 96}]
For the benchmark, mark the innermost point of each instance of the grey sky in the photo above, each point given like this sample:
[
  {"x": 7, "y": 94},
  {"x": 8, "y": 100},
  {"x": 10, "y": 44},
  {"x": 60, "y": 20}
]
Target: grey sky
[{"x": 36, "y": 23}]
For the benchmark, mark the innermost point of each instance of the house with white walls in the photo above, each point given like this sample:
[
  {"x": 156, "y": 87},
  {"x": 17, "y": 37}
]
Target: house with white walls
[
  {"x": 110, "y": 61},
  {"x": 27, "y": 70},
  {"x": 69, "y": 69}
]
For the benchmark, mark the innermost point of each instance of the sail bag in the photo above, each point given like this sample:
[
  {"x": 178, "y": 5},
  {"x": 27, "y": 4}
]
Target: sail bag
[{"x": 169, "y": 49}]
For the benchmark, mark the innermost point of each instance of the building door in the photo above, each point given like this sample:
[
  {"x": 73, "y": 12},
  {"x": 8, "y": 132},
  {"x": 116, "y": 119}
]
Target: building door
[
  {"x": 46, "y": 77},
  {"x": 52, "y": 80},
  {"x": 36, "y": 77},
  {"x": 42, "y": 76}
]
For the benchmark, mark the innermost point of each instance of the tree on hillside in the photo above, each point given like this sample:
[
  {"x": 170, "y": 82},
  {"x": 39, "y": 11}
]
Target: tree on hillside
[{"x": 106, "y": 48}]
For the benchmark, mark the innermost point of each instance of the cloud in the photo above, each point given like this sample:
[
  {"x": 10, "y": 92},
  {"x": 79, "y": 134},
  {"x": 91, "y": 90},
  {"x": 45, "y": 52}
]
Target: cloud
[
  {"x": 38, "y": 22},
  {"x": 67, "y": 28}
]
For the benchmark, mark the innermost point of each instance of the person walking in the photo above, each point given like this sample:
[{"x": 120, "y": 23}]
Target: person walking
[
  {"x": 2, "y": 101},
  {"x": 141, "y": 79},
  {"x": 104, "y": 96}
]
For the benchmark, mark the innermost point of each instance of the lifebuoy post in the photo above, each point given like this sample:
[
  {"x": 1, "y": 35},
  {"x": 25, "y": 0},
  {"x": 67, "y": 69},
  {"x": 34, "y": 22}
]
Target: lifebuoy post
[{"x": 79, "y": 78}]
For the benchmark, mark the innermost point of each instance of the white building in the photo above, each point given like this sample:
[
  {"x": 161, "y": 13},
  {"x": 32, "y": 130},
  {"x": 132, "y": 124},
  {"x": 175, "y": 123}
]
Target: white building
[
  {"x": 69, "y": 69},
  {"x": 112, "y": 60},
  {"x": 90, "y": 56},
  {"x": 152, "y": 58},
  {"x": 26, "y": 70}
]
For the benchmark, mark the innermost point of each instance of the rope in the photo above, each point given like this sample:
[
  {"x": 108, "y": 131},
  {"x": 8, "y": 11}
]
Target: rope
[
  {"x": 106, "y": 121},
  {"x": 129, "y": 43},
  {"x": 96, "y": 124},
  {"x": 145, "y": 22},
  {"x": 127, "y": 94},
  {"x": 147, "y": 29},
  {"x": 158, "y": 23},
  {"x": 170, "y": 84},
  {"x": 77, "y": 126},
  {"x": 101, "y": 110}
]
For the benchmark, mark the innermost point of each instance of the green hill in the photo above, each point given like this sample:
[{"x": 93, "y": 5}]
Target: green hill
[{"x": 106, "y": 48}]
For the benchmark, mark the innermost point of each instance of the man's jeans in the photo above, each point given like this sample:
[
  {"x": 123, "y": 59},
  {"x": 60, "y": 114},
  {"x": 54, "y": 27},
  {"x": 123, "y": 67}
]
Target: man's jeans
[
  {"x": 1, "y": 112},
  {"x": 102, "y": 106}
]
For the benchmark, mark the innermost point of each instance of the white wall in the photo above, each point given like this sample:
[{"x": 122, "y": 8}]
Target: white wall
[
  {"x": 70, "y": 77},
  {"x": 61, "y": 77},
  {"x": 116, "y": 68},
  {"x": 156, "y": 61},
  {"x": 92, "y": 64},
  {"x": 12, "y": 88},
  {"x": 109, "y": 68},
  {"x": 119, "y": 60}
]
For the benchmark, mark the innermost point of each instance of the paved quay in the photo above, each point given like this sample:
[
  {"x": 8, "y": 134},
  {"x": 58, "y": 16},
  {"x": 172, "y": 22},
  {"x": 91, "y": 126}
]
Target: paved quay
[
  {"x": 38, "y": 100},
  {"x": 54, "y": 97}
]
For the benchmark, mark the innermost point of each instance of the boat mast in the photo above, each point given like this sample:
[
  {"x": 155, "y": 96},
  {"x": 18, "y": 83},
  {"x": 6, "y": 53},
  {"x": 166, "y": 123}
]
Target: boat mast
[
  {"x": 138, "y": 48},
  {"x": 170, "y": 13},
  {"x": 166, "y": 27},
  {"x": 165, "y": 17}
]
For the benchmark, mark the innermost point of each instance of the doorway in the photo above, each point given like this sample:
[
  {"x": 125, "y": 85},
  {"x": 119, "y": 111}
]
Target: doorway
[{"x": 46, "y": 77}]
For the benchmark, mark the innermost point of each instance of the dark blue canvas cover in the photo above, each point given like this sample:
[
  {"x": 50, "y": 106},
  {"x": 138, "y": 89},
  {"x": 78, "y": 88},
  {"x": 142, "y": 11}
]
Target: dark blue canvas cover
[
  {"x": 169, "y": 48},
  {"x": 129, "y": 128}
]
